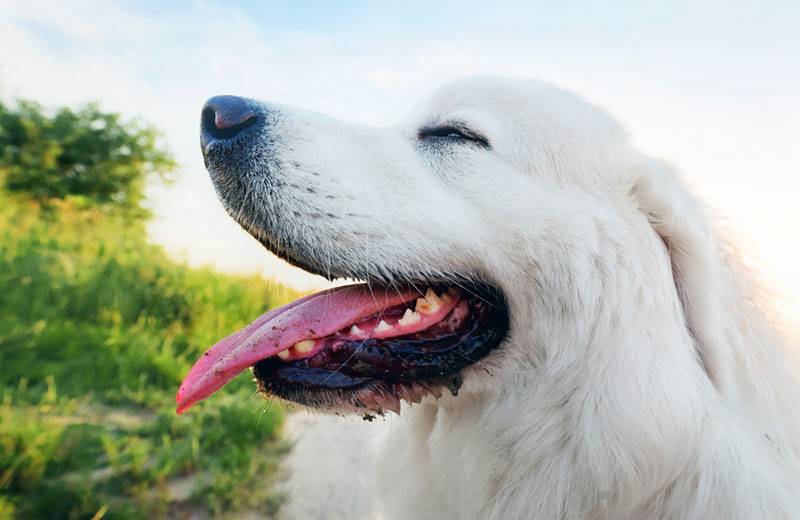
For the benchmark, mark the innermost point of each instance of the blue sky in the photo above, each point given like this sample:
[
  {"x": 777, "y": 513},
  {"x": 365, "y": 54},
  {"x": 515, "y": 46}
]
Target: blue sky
[{"x": 711, "y": 86}]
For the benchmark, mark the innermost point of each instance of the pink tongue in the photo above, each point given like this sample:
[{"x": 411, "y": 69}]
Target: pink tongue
[{"x": 314, "y": 316}]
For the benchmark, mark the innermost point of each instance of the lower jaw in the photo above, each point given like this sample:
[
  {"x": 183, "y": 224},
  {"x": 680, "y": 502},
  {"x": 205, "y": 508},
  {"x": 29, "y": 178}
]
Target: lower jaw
[
  {"x": 372, "y": 397},
  {"x": 375, "y": 375}
]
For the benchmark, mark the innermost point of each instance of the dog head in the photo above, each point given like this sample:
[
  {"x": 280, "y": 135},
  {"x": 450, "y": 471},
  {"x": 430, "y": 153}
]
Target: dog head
[{"x": 516, "y": 197}]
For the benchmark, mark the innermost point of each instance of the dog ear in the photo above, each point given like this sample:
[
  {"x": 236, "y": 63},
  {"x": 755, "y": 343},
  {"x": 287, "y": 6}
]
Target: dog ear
[{"x": 677, "y": 217}]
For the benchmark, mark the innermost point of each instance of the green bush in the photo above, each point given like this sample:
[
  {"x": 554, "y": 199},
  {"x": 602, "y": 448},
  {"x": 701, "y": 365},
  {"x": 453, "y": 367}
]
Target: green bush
[
  {"x": 97, "y": 328},
  {"x": 86, "y": 300},
  {"x": 86, "y": 154}
]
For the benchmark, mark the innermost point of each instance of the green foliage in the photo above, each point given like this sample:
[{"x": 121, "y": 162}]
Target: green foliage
[
  {"x": 67, "y": 459},
  {"x": 97, "y": 327},
  {"x": 87, "y": 155},
  {"x": 85, "y": 299}
]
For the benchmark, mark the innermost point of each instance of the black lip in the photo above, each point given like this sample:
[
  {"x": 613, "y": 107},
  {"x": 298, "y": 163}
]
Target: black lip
[{"x": 347, "y": 368}]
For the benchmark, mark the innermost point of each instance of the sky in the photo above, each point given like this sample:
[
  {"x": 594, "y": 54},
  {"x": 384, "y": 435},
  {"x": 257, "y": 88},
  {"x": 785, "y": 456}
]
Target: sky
[{"x": 713, "y": 87}]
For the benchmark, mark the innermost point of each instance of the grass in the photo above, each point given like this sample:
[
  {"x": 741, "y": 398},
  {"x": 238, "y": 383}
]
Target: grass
[{"x": 97, "y": 327}]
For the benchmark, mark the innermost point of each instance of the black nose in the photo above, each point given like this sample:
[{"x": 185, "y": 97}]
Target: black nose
[{"x": 225, "y": 117}]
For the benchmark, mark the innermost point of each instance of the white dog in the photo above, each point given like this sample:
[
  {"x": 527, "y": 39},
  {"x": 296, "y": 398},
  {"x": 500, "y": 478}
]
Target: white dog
[{"x": 579, "y": 341}]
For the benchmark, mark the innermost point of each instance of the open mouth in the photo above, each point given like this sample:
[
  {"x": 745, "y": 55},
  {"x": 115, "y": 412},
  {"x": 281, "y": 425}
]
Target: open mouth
[{"x": 358, "y": 348}]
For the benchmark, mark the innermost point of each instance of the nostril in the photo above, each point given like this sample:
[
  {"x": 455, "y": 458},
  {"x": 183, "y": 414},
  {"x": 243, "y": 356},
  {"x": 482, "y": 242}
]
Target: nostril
[
  {"x": 218, "y": 126},
  {"x": 224, "y": 117}
]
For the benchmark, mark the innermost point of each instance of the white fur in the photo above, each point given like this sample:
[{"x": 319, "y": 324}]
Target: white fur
[{"x": 640, "y": 379}]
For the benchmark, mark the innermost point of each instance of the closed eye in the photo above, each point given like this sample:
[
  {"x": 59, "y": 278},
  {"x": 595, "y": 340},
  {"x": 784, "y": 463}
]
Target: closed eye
[{"x": 453, "y": 132}]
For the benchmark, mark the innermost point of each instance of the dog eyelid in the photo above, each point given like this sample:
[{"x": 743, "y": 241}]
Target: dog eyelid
[{"x": 454, "y": 131}]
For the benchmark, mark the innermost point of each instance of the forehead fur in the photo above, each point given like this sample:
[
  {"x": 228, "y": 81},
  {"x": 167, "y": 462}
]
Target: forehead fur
[{"x": 536, "y": 126}]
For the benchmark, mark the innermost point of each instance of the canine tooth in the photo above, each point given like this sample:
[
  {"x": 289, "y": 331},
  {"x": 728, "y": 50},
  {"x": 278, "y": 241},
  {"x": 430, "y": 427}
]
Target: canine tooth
[
  {"x": 284, "y": 354},
  {"x": 304, "y": 346},
  {"x": 355, "y": 331},
  {"x": 382, "y": 326},
  {"x": 409, "y": 317}
]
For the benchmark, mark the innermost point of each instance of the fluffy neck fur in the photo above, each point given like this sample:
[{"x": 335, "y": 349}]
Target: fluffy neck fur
[{"x": 618, "y": 419}]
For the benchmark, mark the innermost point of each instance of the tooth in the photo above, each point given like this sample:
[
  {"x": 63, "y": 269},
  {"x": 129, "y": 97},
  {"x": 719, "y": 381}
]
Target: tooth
[
  {"x": 409, "y": 317},
  {"x": 304, "y": 346},
  {"x": 382, "y": 326},
  {"x": 430, "y": 295},
  {"x": 433, "y": 300},
  {"x": 445, "y": 297},
  {"x": 284, "y": 354},
  {"x": 355, "y": 331},
  {"x": 427, "y": 306}
]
